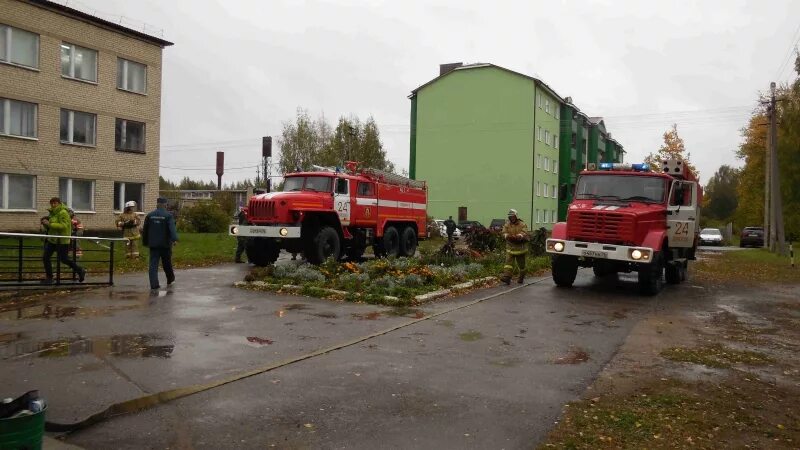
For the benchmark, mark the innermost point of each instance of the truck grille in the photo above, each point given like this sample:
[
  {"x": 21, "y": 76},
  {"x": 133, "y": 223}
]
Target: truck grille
[
  {"x": 262, "y": 209},
  {"x": 600, "y": 226}
]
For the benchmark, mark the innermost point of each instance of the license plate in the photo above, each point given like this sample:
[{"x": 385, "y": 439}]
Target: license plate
[{"x": 594, "y": 254}]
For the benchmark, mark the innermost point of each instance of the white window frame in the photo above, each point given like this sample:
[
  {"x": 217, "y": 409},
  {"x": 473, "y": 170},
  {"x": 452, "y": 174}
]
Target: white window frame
[
  {"x": 71, "y": 128},
  {"x": 546, "y": 164},
  {"x": 538, "y": 189},
  {"x": 9, "y": 35},
  {"x": 4, "y": 201},
  {"x": 546, "y": 216},
  {"x": 547, "y": 137},
  {"x": 556, "y": 141},
  {"x": 121, "y": 206},
  {"x": 553, "y": 216},
  {"x": 544, "y": 189},
  {"x": 538, "y": 161},
  {"x": 539, "y": 100},
  {"x": 68, "y": 198},
  {"x": 554, "y": 189},
  {"x": 538, "y": 216},
  {"x": 555, "y": 166},
  {"x": 124, "y": 86},
  {"x": 547, "y": 105},
  {"x": 5, "y": 127},
  {"x": 558, "y": 111},
  {"x": 71, "y": 75}
]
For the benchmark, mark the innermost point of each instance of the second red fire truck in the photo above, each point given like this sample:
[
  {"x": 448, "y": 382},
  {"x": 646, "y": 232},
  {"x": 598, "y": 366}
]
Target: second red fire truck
[{"x": 332, "y": 213}]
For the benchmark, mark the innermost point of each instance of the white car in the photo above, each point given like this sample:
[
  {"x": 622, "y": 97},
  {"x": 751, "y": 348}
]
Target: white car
[
  {"x": 710, "y": 236},
  {"x": 443, "y": 229}
]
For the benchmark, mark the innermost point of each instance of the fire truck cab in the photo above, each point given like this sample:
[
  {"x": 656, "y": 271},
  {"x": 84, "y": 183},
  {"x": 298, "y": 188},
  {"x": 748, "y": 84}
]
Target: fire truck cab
[
  {"x": 333, "y": 213},
  {"x": 626, "y": 218}
]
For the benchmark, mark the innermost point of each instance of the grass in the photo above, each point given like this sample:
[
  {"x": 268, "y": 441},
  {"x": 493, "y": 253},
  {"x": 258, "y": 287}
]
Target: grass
[
  {"x": 746, "y": 266},
  {"x": 193, "y": 250},
  {"x": 716, "y": 356}
]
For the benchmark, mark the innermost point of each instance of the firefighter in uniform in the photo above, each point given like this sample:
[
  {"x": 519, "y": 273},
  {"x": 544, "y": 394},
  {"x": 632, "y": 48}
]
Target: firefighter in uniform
[
  {"x": 129, "y": 223},
  {"x": 515, "y": 232},
  {"x": 241, "y": 241}
]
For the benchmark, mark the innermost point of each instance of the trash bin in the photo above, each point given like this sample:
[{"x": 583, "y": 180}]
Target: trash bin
[{"x": 23, "y": 432}]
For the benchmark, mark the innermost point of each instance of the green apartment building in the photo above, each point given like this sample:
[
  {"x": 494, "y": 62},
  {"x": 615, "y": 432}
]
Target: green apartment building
[{"x": 486, "y": 139}]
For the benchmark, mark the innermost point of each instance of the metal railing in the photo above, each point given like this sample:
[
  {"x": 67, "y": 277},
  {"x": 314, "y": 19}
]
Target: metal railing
[{"x": 22, "y": 263}]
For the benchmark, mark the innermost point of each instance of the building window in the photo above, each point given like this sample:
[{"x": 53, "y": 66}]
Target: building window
[
  {"x": 78, "y": 62},
  {"x": 545, "y": 189},
  {"x": 17, "y": 192},
  {"x": 18, "y": 118},
  {"x": 547, "y": 105},
  {"x": 553, "y": 188},
  {"x": 538, "y": 189},
  {"x": 538, "y": 216},
  {"x": 125, "y": 192},
  {"x": 555, "y": 166},
  {"x": 539, "y": 100},
  {"x": 131, "y": 76},
  {"x": 538, "y": 161},
  {"x": 558, "y": 112},
  {"x": 553, "y": 216},
  {"x": 539, "y": 134},
  {"x": 547, "y": 137},
  {"x": 546, "y": 215},
  {"x": 546, "y": 164},
  {"x": 555, "y": 140},
  {"x": 77, "y": 194},
  {"x": 78, "y": 127},
  {"x": 129, "y": 136},
  {"x": 19, "y": 47},
  {"x": 574, "y": 140},
  {"x": 572, "y": 166}
]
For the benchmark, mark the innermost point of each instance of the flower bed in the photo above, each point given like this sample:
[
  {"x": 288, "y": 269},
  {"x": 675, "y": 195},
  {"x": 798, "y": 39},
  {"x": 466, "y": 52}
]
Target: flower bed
[{"x": 390, "y": 281}]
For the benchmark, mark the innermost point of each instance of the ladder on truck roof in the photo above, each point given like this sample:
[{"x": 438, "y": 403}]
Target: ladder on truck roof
[{"x": 392, "y": 178}]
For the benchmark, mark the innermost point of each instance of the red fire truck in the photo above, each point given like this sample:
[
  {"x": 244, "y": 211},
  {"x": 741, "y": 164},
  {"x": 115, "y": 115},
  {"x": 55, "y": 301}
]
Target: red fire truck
[
  {"x": 332, "y": 213},
  {"x": 626, "y": 218}
]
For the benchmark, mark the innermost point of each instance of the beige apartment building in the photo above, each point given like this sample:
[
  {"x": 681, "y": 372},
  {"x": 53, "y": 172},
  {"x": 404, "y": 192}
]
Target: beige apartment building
[{"x": 80, "y": 112}]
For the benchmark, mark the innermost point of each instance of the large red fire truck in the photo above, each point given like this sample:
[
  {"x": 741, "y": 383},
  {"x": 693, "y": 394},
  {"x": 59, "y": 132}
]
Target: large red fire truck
[
  {"x": 332, "y": 213},
  {"x": 625, "y": 218}
]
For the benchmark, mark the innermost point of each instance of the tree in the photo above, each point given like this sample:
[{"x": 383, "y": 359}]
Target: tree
[
  {"x": 307, "y": 142},
  {"x": 165, "y": 185},
  {"x": 750, "y": 208},
  {"x": 673, "y": 148},
  {"x": 720, "y": 195}
]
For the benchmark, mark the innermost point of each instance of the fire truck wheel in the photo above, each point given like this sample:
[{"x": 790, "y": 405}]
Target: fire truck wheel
[
  {"x": 408, "y": 242},
  {"x": 391, "y": 241},
  {"x": 675, "y": 273},
  {"x": 326, "y": 245},
  {"x": 565, "y": 269},
  {"x": 262, "y": 251},
  {"x": 651, "y": 276}
]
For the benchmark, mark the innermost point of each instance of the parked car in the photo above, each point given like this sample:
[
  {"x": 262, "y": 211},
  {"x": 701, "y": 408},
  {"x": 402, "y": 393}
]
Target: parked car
[
  {"x": 466, "y": 225},
  {"x": 710, "y": 236},
  {"x": 497, "y": 224},
  {"x": 443, "y": 229},
  {"x": 752, "y": 236}
]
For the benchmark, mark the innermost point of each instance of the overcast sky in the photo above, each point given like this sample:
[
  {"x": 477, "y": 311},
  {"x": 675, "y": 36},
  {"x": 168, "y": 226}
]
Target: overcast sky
[{"x": 240, "y": 68}]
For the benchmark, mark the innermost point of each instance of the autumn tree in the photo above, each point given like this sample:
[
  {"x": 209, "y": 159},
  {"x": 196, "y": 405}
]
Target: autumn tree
[
  {"x": 673, "y": 148},
  {"x": 300, "y": 143},
  {"x": 720, "y": 195}
]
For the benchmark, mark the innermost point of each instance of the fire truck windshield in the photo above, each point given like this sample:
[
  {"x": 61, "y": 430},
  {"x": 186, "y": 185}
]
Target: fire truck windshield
[
  {"x": 318, "y": 184},
  {"x": 621, "y": 188}
]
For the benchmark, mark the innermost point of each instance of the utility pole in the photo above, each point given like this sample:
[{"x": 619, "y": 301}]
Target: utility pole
[{"x": 777, "y": 240}]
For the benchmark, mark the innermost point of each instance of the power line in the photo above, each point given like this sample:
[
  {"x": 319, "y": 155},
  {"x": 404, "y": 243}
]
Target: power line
[{"x": 792, "y": 48}]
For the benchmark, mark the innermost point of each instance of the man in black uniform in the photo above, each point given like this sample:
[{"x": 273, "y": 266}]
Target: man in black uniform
[
  {"x": 241, "y": 241},
  {"x": 159, "y": 235},
  {"x": 450, "y": 228}
]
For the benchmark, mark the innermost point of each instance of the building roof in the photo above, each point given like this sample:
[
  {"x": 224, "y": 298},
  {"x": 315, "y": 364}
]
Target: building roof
[
  {"x": 94, "y": 20},
  {"x": 595, "y": 120},
  {"x": 484, "y": 65}
]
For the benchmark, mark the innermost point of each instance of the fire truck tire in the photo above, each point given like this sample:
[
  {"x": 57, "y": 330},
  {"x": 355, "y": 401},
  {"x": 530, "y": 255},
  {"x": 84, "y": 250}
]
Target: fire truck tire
[
  {"x": 651, "y": 277},
  {"x": 262, "y": 251},
  {"x": 408, "y": 242},
  {"x": 675, "y": 273},
  {"x": 565, "y": 269},
  {"x": 391, "y": 241},
  {"x": 326, "y": 245}
]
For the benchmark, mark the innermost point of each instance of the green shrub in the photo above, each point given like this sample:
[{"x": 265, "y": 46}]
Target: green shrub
[{"x": 205, "y": 217}]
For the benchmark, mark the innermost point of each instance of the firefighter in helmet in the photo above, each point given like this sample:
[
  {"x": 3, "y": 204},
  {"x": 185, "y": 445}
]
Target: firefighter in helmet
[
  {"x": 129, "y": 223},
  {"x": 515, "y": 232}
]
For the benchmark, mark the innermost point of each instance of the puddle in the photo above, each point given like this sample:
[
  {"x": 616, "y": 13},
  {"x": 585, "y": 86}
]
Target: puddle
[
  {"x": 49, "y": 311},
  {"x": 507, "y": 362},
  {"x": 243, "y": 308},
  {"x": 259, "y": 340},
  {"x": 325, "y": 315},
  {"x": 471, "y": 336},
  {"x": 296, "y": 307},
  {"x": 123, "y": 345},
  {"x": 374, "y": 315}
]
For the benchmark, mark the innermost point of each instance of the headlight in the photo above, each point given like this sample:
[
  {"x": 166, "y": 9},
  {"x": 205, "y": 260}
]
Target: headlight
[
  {"x": 636, "y": 254},
  {"x": 284, "y": 231},
  {"x": 234, "y": 230},
  {"x": 558, "y": 246}
]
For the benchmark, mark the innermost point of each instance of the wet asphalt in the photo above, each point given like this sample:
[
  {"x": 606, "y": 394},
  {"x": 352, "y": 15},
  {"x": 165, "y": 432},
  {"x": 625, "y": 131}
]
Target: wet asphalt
[{"x": 494, "y": 374}]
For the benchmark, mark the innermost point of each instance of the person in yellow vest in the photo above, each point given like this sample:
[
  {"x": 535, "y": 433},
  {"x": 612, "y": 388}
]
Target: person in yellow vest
[
  {"x": 515, "y": 232},
  {"x": 129, "y": 223}
]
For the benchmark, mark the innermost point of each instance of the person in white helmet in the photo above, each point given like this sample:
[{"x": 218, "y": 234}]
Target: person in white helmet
[
  {"x": 515, "y": 232},
  {"x": 129, "y": 223}
]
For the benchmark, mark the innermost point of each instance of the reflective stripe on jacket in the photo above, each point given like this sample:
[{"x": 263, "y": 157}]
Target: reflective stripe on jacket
[{"x": 514, "y": 245}]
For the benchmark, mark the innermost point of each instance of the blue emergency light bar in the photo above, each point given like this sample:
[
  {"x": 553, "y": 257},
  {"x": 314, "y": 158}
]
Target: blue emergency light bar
[{"x": 640, "y": 167}]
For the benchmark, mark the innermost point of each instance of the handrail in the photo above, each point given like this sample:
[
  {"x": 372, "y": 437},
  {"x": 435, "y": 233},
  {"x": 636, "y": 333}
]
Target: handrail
[
  {"x": 18, "y": 259},
  {"x": 89, "y": 238}
]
